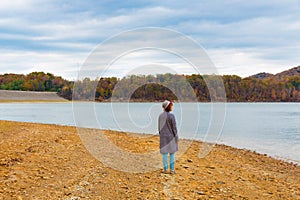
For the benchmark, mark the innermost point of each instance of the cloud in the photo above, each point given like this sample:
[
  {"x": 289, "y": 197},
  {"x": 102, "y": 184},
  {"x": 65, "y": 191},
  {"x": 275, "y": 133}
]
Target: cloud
[
  {"x": 257, "y": 32},
  {"x": 243, "y": 38},
  {"x": 246, "y": 62},
  {"x": 16, "y": 5},
  {"x": 66, "y": 65}
]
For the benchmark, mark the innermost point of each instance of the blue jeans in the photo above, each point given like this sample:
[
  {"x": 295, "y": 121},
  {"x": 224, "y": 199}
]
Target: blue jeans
[{"x": 172, "y": 161}]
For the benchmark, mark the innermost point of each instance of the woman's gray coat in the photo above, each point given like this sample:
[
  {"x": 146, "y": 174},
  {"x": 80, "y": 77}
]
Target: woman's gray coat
[{"x": 167, "y": 133}]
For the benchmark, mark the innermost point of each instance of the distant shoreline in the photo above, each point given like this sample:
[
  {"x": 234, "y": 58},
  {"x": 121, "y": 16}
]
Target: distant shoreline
[
  {"x": 13, "y": 96},
  {"x": 34, "y": 101},
  {"x": 262, "y": 87},
  {"x": 29, "y": 96}
]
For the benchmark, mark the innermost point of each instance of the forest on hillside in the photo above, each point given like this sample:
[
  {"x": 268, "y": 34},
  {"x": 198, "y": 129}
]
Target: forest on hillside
[{"x": 283, "y": 87}]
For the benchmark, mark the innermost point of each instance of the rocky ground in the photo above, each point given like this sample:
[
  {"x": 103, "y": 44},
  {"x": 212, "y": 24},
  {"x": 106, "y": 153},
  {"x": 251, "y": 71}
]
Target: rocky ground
[{"x": 40, "y": 161}]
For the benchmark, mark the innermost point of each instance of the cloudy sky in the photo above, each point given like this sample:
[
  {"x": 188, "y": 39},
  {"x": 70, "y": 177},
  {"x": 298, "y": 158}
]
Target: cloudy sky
[{"x": 57, "y": 36}]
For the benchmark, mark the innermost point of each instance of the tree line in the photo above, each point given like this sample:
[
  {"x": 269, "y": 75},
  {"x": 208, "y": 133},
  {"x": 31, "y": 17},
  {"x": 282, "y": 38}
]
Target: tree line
[
  {"x": 161, "y": 86},
  {"x": 36, "y": 81}
]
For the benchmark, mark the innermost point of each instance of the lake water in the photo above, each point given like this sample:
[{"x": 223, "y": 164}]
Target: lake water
[{"x": 270, "y": 128}]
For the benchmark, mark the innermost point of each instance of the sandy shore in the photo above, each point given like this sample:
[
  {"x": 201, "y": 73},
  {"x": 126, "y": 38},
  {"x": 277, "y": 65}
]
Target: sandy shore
[
  {"x": 50, "y": 162},
  {"x": 24, "y": 96}
]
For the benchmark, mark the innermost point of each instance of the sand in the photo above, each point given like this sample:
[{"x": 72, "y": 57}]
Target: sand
[
  {"x": 28, "y": 96},
  {"x": 39, "y": 161}
]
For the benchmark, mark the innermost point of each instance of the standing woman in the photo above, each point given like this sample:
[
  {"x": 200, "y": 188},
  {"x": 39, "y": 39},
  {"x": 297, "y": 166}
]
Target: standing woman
[{"x": 168, "y": 136}]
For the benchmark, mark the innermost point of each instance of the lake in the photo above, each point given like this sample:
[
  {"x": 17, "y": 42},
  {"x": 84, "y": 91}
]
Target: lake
[{"x": 270, "y": 128}]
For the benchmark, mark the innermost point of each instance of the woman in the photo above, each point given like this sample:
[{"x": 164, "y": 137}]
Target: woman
[{"x": 168, "y": 136}]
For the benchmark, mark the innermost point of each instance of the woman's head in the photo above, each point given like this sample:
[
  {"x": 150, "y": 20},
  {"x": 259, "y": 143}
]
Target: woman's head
[{"x": 167, "y": 105}]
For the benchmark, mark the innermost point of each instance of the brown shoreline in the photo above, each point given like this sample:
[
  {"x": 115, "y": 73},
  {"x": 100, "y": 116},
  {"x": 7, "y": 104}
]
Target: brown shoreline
[
  {"x": 40, "y": 161},
  {"x": 29, "y": 96}
]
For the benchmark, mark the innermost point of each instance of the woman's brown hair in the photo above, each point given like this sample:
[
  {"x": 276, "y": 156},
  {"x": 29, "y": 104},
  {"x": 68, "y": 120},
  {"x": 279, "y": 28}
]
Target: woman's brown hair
[{"x": 168, "y": 109}]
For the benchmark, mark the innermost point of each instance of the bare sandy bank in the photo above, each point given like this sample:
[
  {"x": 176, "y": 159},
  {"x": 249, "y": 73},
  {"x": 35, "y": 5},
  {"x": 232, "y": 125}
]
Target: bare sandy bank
[
  {"x": 12, "y": 96},
  {"x": 39, "y": 161}
]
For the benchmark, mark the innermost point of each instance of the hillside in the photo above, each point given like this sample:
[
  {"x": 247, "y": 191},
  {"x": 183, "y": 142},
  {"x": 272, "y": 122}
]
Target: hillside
[
  {"x": 262, "y": 75},
  {"x": 288, "y": 73},
  {"x": 279, "y": 76}
]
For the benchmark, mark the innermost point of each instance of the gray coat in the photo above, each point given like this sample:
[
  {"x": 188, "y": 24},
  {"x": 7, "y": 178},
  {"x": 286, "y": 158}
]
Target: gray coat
[{"x": 167, "y": 133}]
